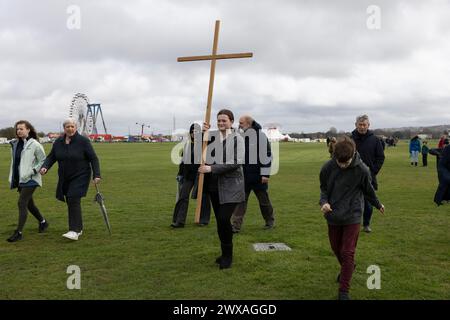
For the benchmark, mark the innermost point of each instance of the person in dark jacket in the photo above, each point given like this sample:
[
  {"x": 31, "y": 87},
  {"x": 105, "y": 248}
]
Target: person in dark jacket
[
  {"x": 187, "y": 178},
  {"x": 76, "y": 159},
  {"x": 258, "y": 158},
  {"x": 441, "y": 144},
  {"x": 371, "y": 152},
  {"x": 27, "y": 156},
  {"x": 425, "y": 151},
  {"x": 331, "y": 144},
  {"x": 345, "y": 184},
  {"x": 437, "y": 152},
  {"x": 224, "y": 179},
  {"x": 443, "y": 191}
]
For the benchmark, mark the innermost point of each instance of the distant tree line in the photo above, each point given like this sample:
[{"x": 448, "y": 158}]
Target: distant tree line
[
  {"x": 399, "y": 134},
  {"x": 10, "y": 133}
]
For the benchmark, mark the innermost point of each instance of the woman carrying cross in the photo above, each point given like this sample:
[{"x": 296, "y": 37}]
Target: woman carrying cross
[{"x": 224, "y": 179}]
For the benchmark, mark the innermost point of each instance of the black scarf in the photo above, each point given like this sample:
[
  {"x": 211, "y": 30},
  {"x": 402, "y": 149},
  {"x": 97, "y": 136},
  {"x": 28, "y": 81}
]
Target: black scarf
[{"x": 17, "y": 158}]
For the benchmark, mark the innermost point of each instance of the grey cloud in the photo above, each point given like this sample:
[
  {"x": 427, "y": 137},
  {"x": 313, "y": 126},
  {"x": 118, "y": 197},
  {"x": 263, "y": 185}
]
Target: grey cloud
[{"x": 124, "y": 56}]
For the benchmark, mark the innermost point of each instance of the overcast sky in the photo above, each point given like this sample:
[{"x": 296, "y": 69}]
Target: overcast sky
[{"x": 316, "y": 64}]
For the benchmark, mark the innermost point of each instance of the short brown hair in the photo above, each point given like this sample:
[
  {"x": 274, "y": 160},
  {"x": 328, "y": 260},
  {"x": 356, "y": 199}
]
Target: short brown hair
[
  {"x": 227, "y": 113},
  {"x": 344, "y": 149}
]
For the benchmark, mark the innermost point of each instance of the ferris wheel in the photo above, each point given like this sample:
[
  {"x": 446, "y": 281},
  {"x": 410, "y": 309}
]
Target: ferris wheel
[{"x": 79, "y": 111}]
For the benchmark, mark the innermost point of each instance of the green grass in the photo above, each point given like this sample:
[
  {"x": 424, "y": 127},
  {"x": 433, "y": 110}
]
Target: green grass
[{"x": 145, "y": 259}]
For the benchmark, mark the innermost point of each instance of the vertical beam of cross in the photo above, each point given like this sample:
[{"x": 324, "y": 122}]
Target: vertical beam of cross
[{"x": 213, "y": 57}]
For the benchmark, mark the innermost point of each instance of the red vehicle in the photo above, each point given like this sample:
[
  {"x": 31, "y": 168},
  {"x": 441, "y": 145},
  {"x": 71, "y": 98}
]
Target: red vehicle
[{"x": 100, "y": 137}]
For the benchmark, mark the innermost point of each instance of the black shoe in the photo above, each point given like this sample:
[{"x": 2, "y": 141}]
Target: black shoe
[
  {"x": 225, "y": 263},
  {"x": 268, "y": 226},
  {"x": 16, "y": 236},
  {"x": 43, "y": 226},
  {"x": 343, "y": 295},
  {"x": 177, "y": 225},
  {"x": 202, "y": 224}
]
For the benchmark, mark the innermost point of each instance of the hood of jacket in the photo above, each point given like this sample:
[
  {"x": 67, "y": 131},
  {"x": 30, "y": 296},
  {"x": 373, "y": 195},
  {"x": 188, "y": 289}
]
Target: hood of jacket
[
  {"x": 256, "y": 125},
  {"x": 358, "y": 136}
]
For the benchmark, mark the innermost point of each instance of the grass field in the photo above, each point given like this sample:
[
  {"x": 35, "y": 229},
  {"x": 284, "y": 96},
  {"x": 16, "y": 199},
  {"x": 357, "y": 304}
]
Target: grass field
[{"x": 146, "y": 259}]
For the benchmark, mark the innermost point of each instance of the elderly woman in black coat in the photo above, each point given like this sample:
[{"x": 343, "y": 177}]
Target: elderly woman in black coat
[
  {"x": 224, "y": 180},
  {"x": 76, "y": 159}
]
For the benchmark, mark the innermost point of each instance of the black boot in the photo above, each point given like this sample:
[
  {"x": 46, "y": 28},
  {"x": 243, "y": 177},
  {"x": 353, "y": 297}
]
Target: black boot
[
  {"x": 43, "y": 225},
  {"x": 227, "y": 256},
  {"x": 343, "y": 295},
  {"x": 16, "y": 236},
  {"x": 177, "y": 225}
]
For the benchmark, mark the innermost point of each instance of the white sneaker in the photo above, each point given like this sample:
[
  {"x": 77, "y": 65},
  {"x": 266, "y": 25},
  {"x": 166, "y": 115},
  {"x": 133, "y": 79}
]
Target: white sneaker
[{"x": 72, "y": 235}]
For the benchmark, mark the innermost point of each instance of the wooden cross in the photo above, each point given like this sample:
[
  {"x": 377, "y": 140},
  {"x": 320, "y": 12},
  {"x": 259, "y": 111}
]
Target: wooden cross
[{"x": 213, "y": 57}]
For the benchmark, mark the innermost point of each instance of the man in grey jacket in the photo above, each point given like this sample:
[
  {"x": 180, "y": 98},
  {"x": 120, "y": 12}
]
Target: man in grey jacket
[{"x": 345, "y": 181}]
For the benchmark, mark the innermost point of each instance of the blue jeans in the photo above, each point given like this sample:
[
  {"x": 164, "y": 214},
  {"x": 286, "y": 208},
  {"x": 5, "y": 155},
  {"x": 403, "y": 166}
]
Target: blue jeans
[
  {"x": 368, "y": 210},
  {"x": 415, "y": 156}
]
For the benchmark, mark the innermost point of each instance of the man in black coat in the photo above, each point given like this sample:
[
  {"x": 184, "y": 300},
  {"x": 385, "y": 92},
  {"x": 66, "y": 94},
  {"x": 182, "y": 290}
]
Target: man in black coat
[
  {"x": 258, "y": 159},
  {"x": 371, "y": 150}
]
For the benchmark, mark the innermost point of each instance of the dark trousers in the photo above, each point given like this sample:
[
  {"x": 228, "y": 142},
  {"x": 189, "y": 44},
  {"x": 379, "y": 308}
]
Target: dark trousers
[
  {"x": 425, "y": 159},
  {"x": 264, "y": 205},
  {"x": 343, "y": 240},
  {"x": 182, "y": 205},
  {"x": 75, "y": 218},
  {"x": 223, "y": 214},
  {"x": 26, "y": 203},
  {"x": 367, "y": 215}
]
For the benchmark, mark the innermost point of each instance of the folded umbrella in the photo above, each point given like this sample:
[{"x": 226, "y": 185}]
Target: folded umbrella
[{"x": 101, "y": 201}]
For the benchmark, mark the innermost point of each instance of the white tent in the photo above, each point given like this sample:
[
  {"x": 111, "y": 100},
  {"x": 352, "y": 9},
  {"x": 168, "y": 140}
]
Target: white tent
[
  {"x": 180, "y": 134},
  {"x": 273, "y": 133}
]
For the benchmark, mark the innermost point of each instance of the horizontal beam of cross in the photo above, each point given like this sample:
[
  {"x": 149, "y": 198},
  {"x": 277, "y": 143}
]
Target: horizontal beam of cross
[{"x": 216, "y": 57}]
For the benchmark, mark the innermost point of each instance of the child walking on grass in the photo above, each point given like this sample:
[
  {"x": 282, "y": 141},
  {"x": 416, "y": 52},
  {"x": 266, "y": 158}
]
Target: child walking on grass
[{"x": 344, "y": 183}]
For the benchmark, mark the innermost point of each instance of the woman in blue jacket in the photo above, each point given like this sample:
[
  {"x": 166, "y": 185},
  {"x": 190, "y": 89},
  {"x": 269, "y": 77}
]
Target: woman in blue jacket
[{"x": 414, "y": 150}]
